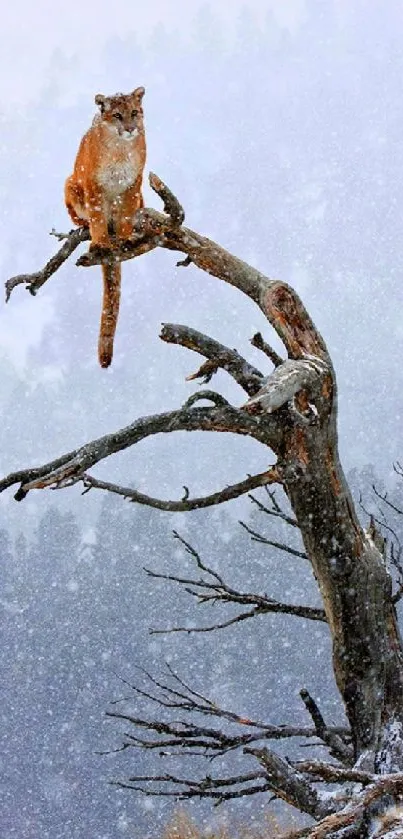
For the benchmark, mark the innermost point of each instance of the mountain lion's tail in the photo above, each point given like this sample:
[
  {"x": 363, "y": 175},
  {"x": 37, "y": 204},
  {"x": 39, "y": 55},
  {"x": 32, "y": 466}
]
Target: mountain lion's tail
[{"x": 112, "y": 273}]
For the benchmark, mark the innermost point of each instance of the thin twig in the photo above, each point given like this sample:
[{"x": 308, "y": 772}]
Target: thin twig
[
  {"x": 277, "y": 512},
  {"x": 281, "y": 546},
  {"x": 192, "y": 792},
  {"x": 386, "y": 500}
]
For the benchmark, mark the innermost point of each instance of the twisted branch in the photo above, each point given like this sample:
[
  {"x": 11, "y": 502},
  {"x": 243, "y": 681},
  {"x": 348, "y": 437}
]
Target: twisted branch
[
  {"x": 33, "y": 282},
  {"x": 218, "y": 355},
  {"x": 72, "y": 467}
]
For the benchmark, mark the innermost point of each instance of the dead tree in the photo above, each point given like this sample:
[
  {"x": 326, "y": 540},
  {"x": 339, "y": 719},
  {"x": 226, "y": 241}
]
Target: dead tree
[{"x": 293, "y": 413}]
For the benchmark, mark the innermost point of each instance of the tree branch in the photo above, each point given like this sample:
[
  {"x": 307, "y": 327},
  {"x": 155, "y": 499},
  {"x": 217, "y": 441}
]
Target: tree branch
[
  {"x": 172, "y": 207},
  {"x": 71, "y": 467},
  {"x": 213, "y": 589},
  {"x": 275, "y": 510},
  {"x": 280, "y": 546},
  {"x": 280, "y": 304},
  {"x": 178, "y": 696},
  {"x": 275, "y": 608},
  {"x": 152, "y": 229},
  {"x": 288, "y": 784},
  {"x": 208, "y": 787},
  {"x": 34, "y": 282},
  {"x": 334, "y": 774},
  {"x": 354, "y": 810},
  {"x": 219, "y": 356},
  {"x": 335, "y": 744},
  {"x": 258, "y": 342},
  {"x": 186, "y": 504},
  {"x": 285, "y": 382}
]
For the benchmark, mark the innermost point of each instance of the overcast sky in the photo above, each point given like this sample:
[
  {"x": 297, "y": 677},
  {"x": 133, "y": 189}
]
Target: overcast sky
[{"x": 33, "y": 31}]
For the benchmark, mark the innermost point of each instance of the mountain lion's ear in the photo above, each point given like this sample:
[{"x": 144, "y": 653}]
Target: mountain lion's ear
[
  {"x": 139, "y": 93},
  {"x": 101, "y": 102}
]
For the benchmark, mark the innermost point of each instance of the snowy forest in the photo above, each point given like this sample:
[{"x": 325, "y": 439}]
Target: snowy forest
[{"x": 284, "y": 146}]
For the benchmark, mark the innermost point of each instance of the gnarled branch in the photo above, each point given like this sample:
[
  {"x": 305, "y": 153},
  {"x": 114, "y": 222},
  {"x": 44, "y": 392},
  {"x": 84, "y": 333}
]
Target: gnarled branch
[
  {"x": 353, "y": 812},
  {"x": 219, "y": 356},
  {"x": 71, "y": 467},
  {"x": 33, "y": 282},
  {"x": 286, "y": 381}
]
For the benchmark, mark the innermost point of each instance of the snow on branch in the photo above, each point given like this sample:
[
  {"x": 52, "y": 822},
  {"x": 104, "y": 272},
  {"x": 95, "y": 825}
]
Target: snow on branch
[
  {"x": 354, "y": 810},
  {"x": 289, "y": 378},
  {"x": 288, "y": 784}
]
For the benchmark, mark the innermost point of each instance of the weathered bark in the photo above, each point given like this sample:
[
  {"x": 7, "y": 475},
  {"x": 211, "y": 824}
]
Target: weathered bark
[{"x": 294, "y": 414}]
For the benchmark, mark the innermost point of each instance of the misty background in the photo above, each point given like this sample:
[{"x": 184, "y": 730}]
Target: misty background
[{"x": 278, "y": 126}]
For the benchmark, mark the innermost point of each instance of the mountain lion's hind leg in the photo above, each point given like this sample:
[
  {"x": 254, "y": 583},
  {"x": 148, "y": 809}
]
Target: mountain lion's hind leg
[{"x": 74, "y": 198}]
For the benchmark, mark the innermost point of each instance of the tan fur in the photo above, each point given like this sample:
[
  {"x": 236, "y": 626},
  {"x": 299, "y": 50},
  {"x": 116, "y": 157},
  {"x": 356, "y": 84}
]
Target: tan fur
[{"x": 104, "y": 192}]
